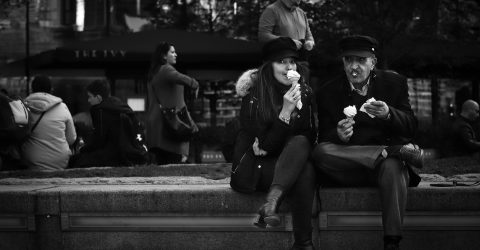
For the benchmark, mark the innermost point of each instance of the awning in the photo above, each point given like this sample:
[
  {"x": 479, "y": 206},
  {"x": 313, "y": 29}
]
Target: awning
[{"x": 134, "y": 50}]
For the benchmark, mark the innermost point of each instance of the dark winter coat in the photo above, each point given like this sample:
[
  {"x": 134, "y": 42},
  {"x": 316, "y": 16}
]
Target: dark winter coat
[
  {"x": 272, "y": 135},
  {"x": 386, "y": 86},
  {"x": 104, "y": 147},
  {"x": 466, "y": 140}
]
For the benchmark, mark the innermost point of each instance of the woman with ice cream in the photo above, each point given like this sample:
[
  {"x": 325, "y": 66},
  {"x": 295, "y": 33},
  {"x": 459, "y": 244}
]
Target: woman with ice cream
[{"x": 273, "y": 147}]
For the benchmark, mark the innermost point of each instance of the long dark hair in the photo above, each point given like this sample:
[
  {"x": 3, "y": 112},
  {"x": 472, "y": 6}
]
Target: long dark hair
[
  {"x": 268, "y": 90},
  {"x": 158, "y": 58}
]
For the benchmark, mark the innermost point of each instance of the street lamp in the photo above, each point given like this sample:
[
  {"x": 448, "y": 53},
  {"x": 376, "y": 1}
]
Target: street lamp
[{"x": 27, "y": 44}]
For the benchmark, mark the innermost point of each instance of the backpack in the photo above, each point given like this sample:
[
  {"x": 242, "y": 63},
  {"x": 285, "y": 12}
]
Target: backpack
[
  {"x": 14, "y": 121},
  {"x": 131, "y": 140}
]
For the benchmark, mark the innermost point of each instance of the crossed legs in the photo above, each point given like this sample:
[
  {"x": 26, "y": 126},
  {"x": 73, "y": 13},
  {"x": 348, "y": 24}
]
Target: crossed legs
[{"x": 359, "y": 166}]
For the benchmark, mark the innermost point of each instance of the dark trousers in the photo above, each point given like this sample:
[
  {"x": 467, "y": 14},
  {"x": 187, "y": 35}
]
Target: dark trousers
[
  {"x": 356, "y": 166},
  {"x": 295, "y": 174}
]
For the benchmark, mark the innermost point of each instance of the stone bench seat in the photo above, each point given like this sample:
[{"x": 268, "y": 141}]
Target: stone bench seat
[{"x": 200, "y": 211}]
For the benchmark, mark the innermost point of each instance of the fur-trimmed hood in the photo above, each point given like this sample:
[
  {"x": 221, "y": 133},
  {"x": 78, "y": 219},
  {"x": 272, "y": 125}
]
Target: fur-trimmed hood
[{"x": 245, "y": 82}]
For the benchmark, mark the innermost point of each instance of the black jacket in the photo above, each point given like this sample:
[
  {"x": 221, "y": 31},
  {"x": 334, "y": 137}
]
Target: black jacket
[
  {"x": 105, "y": 120},
  {"x": 466, "y": 140},
  {"x": 272, "y": 135},
  {"x": 385, "y": 86}
]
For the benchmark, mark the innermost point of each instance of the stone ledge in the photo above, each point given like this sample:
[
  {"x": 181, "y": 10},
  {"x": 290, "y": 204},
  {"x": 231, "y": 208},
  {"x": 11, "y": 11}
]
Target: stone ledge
[
  {"x": 210, "y": 171},
  {"x": 189, "y": 195},
  {"x": 213, "y": 216}
]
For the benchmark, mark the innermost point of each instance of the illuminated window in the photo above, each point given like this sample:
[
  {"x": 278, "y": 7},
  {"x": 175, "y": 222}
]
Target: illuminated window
[
  {"x": 80, "y": 17},
  {"x": 137, "y": 104}
]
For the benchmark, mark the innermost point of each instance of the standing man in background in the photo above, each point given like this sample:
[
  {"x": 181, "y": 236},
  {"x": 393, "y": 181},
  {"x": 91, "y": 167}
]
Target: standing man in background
[
  {"x": 466, "y": 140},
  {"x": 285, "y": 18}
]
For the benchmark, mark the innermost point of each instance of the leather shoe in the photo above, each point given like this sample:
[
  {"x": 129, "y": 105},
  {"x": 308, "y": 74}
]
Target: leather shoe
[
  {"x": 391, "y": 242},
  {"x": 413, "y": 155},
  {"x": 307, "y": 247},
  {"x": 392, "y": 246}
]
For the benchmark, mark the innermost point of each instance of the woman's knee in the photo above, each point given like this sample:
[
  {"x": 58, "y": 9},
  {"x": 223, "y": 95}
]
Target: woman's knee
[
  {"x": 308, "y": 175},
  {"x": 300, "y": 141}
]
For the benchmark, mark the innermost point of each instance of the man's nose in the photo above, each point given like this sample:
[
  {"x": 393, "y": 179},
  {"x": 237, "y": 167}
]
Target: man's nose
[{"x": 355, "y": 65}]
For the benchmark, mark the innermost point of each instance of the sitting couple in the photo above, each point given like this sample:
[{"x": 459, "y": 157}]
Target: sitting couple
[{"x": 279, "y": 150}]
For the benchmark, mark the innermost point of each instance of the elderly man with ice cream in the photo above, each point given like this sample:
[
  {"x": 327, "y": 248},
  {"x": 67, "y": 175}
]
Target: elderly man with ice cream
[{"x": 370, "y": 147}]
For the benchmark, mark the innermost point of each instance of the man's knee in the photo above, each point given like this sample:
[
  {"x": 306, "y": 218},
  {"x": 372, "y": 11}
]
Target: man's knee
[
  {"x": 390, "y": 170},
  {"x": 391, "y": 166}
]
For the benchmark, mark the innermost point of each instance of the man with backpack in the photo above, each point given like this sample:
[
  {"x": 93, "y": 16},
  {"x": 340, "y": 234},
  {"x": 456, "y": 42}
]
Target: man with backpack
[
  {"x": 117, "y": 139},
  {"x": 51, "y": 129}
]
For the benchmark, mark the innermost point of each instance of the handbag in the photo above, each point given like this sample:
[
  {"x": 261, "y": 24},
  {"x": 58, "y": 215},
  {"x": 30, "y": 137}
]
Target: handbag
[
  {"x": 245, "y": 174},
  {"x": 178, "y": 124}
]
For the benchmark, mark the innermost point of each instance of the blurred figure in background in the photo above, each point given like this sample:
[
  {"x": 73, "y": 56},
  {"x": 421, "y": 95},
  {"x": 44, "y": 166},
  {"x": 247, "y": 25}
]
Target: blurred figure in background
[
  {"x": 48, "y": 147},
  {"x": 166, "y": 88},
  {"x": 117, "y": 139},
  {"x": 466, "y": 138}
]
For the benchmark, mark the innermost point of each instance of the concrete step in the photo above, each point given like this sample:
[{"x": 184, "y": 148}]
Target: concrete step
[
  {"x": 194, "y": 208},
  {"x": 212, "y": 216}
]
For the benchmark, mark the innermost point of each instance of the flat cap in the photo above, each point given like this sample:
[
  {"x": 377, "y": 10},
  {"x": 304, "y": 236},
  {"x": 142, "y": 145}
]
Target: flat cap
[{"x": 363, "y": 46}]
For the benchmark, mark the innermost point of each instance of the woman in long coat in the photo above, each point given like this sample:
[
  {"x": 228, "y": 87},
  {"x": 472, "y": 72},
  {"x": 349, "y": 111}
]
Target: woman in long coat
[{"x": 166, "y": 87}]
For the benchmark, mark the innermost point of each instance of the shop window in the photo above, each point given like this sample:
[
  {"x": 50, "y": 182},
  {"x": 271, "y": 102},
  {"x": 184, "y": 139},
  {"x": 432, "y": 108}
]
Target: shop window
[
  {"x": 68, "y": 13},
  {"x": 420, "y": 93}
]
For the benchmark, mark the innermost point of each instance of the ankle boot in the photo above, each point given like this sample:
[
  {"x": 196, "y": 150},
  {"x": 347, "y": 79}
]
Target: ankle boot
[{"x": 268, "y": 211}]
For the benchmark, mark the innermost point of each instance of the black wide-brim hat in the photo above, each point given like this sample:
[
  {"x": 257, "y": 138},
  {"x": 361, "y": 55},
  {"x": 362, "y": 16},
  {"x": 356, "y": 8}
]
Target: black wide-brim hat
[
  {"x": 279, "y": 48},
  {"x": 363, "y": 46}
]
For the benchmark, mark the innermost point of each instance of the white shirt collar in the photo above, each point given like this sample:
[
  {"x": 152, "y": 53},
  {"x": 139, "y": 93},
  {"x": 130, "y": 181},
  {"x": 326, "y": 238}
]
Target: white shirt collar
[{"x": 363, "y": 91}]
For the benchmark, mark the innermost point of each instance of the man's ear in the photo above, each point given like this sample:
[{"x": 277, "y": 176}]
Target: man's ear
[{"x": 374, "y": 63}]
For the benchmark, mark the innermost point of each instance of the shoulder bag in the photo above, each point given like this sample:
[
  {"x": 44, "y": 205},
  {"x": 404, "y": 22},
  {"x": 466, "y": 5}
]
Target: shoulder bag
[{"x": 179, "y": 125}]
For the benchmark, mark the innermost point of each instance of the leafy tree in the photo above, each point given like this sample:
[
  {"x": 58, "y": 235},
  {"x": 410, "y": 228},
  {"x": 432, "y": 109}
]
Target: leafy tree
[
  {"x": 398, "y": 25},
  {"x": 13, "y": 11},
  {"x": 459, "y": 20}
]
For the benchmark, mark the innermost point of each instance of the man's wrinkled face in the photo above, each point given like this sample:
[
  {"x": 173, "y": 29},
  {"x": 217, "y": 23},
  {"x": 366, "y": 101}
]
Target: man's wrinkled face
[{"x": 358, "y": 68}]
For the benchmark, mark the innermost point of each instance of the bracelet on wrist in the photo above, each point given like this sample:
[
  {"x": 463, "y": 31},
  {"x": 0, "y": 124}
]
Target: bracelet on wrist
[{"x": 284, "y": 119}]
